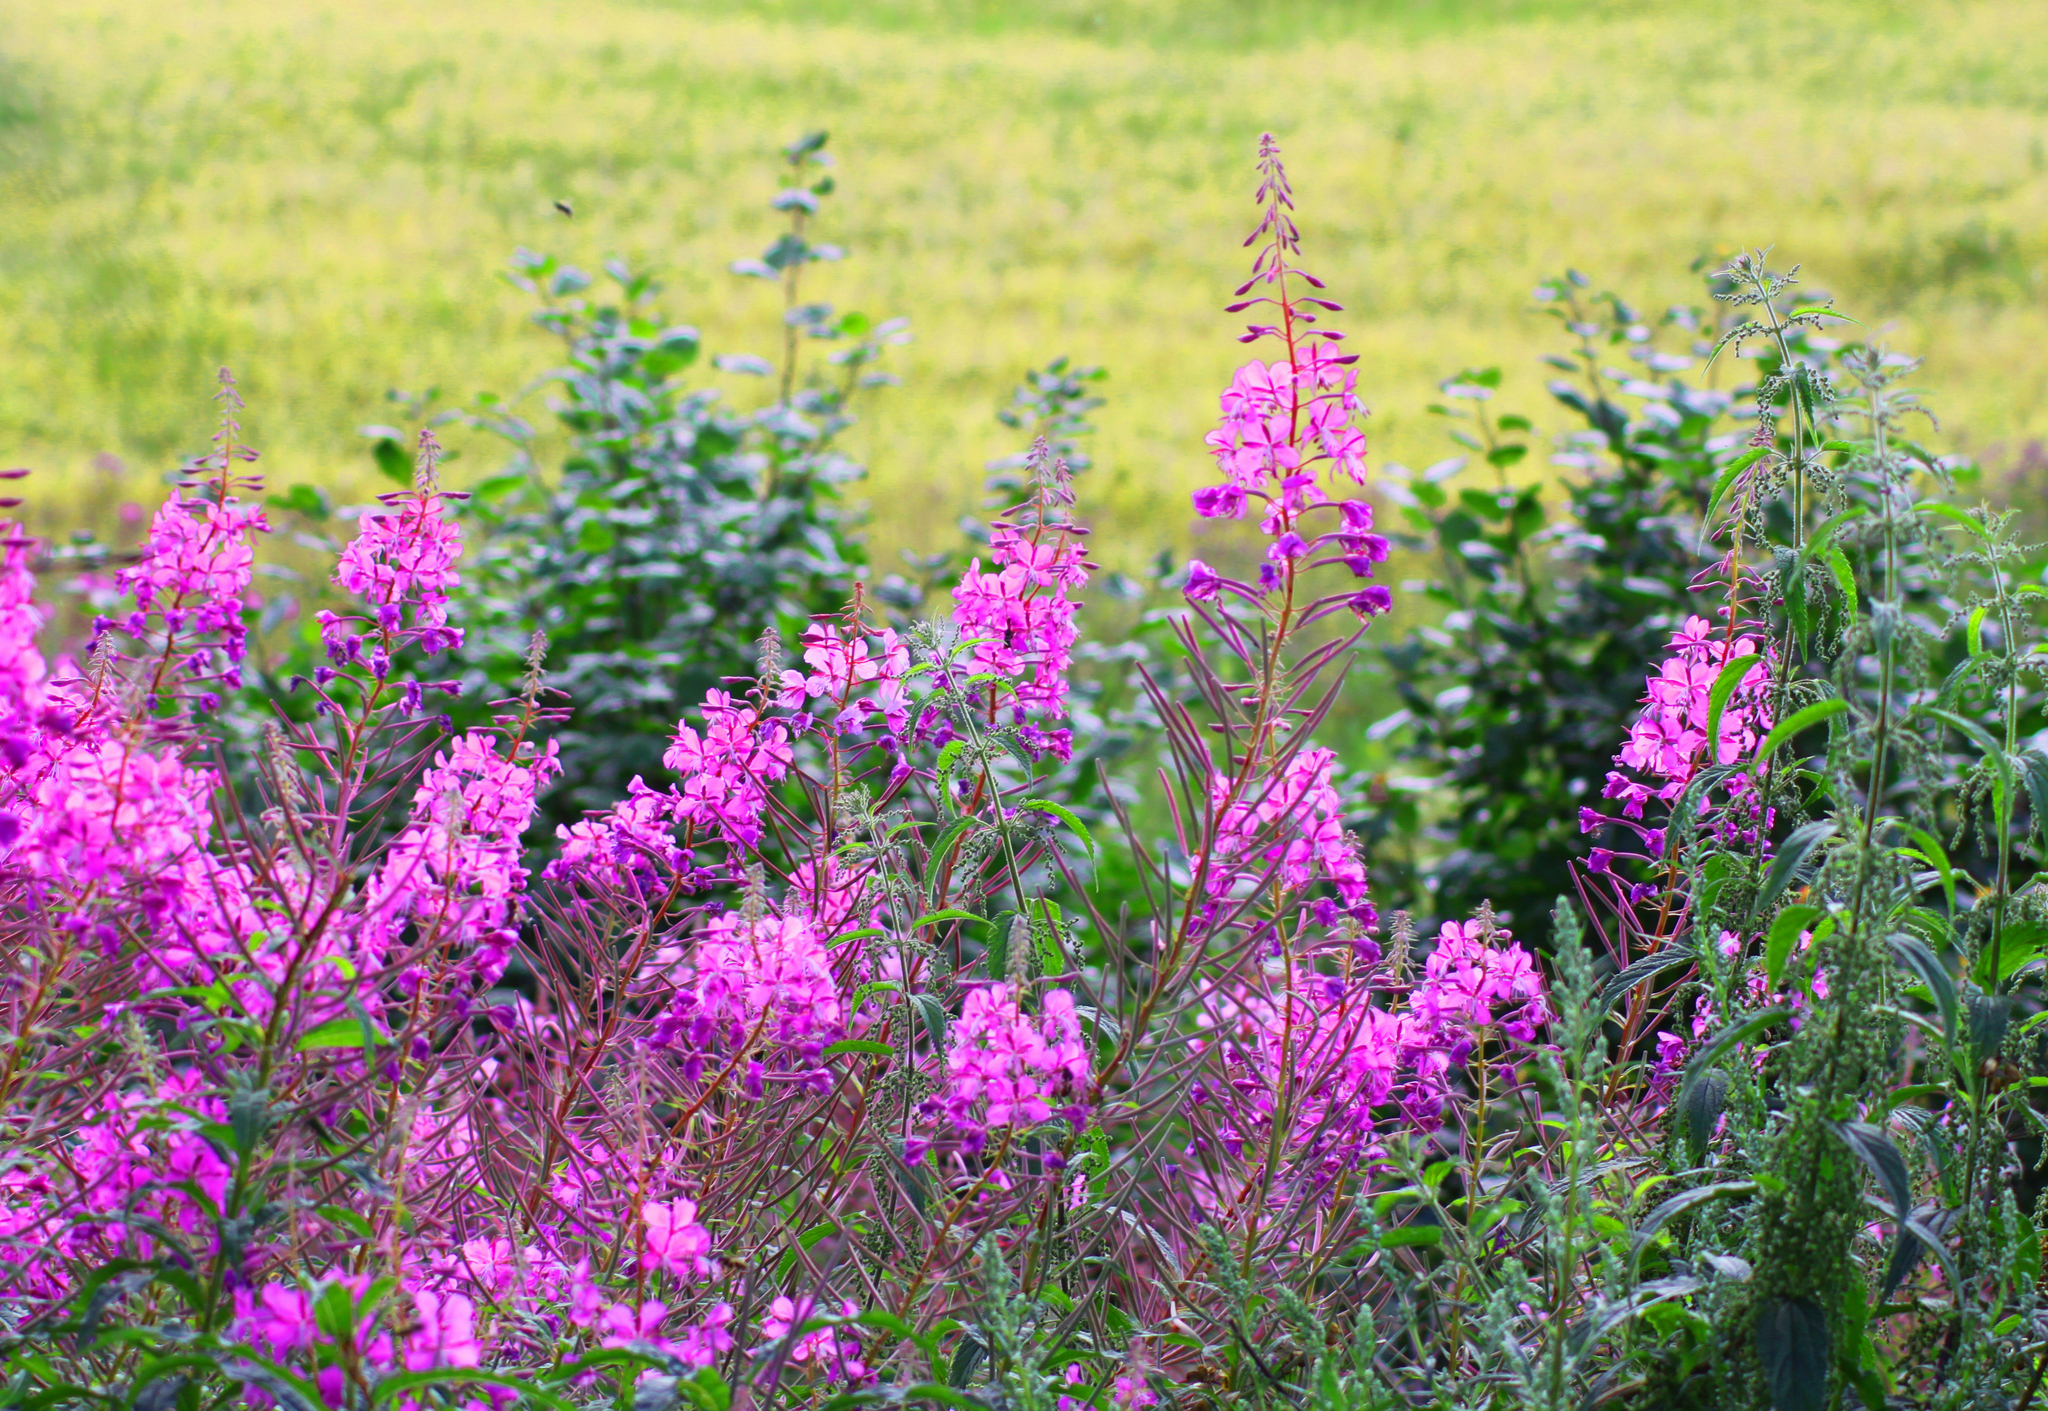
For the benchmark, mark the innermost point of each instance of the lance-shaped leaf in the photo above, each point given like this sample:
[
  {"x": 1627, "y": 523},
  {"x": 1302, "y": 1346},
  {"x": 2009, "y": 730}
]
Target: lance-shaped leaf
[
  {"x": 1884, "y": 1161},
  {"x": 1914, "y": 954},
  {"x": 1701, "y": 1106},
  {"x": 1791, "y": 923},
  {"x": 1708, "y": 1059},
  {"x": 1792, "y": 1344},
  {"x": 1679, "y": 1204},
  {"x": 1784, "y": 731},
  {"x": 1646, "y": 968},
  {"x": 1725, "y": 683},
  {"x": 1790, "y": 859},
  {"x": 1731, "y": 473},
  {"x": 2034, "y": 771},
  {"x": 1989, "y": 1017}
]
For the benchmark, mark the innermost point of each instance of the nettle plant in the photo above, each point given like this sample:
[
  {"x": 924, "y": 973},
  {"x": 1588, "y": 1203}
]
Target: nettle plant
[
  {"x": 679, "y": 524},
  {"x": 827, "y": 1079}
]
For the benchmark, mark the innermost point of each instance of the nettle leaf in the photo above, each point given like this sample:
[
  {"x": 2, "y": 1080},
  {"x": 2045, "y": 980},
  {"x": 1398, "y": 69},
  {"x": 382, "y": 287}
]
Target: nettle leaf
[
  {"x": 1791, "y": 858},
  {"x": 1702, "y": 1106},
  {"x": 1784, "y": 934},
  {"x": 1989, "y": 1016},
  {"x": 1683, "y": 1202},
  {"x": 1646, "y": 968},
  {"x": 1066, "y": 816},
  {"x": 1913, "y": 953},
  {"x": 1882, "y": 1158},
  {"x": 1707, "y": 1061},
  {"x": 1729, "y": 475},
  {"x": 1783, "y": 732},
  {"x": 1792, "y": 1344}
]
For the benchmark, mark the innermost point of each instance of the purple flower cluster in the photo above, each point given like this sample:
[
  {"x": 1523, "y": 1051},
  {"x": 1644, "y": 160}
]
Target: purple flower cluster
[
  {"x": 1285, "y": 423},
  {"x": 1668, "y": 744}
]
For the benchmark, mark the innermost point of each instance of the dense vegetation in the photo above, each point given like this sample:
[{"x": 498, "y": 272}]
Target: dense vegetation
[{"x": 606, "y": 944}]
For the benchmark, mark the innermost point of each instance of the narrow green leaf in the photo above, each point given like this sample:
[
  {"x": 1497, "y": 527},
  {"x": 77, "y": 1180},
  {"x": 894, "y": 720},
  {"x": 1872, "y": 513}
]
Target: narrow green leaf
[
  {"x": 1937, "y": 857},
  {"x": 1730, "y": 474},
  {"x": 1876, "y": 1150},
  {"x": 2034, "y": 771},
  {"x": 1700, "y": 1106},
  {"x": 880, "y": 1050},
  {"x": 1679, "y": 1204},
  {"x": 1817, "y": 542},
  {"x": 1710, "y": 1056},
  {"x": 951, "y": 913},
  {"x": 1979, "y": 736},
  {"x": 1799, "y": 720},
  {"x": 341, "y": 1033},
  {"x": 1951, "y": 513},
  {"x": 1913, "y": 953},
  {"x": 1725, "y": 684},
  {"x": 1066, "y": 816},
  {"x": 1783, "y": 936},
  {"x": 1845, "y": 579},
  {"x": 1412, "y": 1236},
  {"x": 1645, "y": 968},
  {"x": 1792, "y": 1344},
  {"x": 1791, "y": 857}
]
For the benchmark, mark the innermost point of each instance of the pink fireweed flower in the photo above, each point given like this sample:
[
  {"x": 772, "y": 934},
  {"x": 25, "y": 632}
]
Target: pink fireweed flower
[
  {"x": 456, "y": 869},
  {"x": 727, "y": 768},
  {"x": 1297, "y": 822},
  {"x": 107, "y": 810},
  {"x": 1016, "y": 1067},
  {"x": 1668, "y": 741},
  {"x": 23, "y": 672},
  {"x": 628, "y": 846},
  {"x": 858, "y": 676},
  {"x": 195, "y": 569},
  {"x": 1284, "y": 421},
  {"x": 828, "y": 1350},
  {"x": 674, "y": 1242},
  {"x": 769, "y": 982},
  {"x": 1467, "y": 979},
  {"x": 446, "y": 1335},
  {"x": 1017, "y": 613},
  {"x": 404, "y": 555}
]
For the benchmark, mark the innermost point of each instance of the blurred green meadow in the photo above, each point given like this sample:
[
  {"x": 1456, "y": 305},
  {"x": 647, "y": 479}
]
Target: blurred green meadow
[{"x": 321, "y": 195}]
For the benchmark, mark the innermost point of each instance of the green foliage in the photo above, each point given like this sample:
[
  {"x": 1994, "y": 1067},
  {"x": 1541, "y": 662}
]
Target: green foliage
[{"x": 1514, "y": 703}]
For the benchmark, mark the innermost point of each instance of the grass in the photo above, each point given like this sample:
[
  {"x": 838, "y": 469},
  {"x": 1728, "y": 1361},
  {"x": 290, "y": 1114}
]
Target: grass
[{"x": 319, "y": 194}]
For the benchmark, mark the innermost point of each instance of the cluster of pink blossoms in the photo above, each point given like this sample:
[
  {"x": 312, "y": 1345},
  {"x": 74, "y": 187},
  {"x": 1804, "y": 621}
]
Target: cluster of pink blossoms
[
  {"x": 282, "y": 1319},
  {"x": 404, "y": 554},
  {"x": 126, "y": 1169},
  {"x": 727, "y": 769},
  {"x": 1337, "y": 1057},
  {"x": 1284, "y": 422},
  {"x": 193, "y": 575},
  {"x": 1020, "y": 619},
  {"x": 1009, "y": 1068},
  {"x": 771, "y": 980},
  {"x": 1272, "y": 414},
  {"x": 1668, "y": 742},
  {"x": 1296, "y": 823},
  {"x": 829, "y": 1352},
  {"x": 1470, "y": 985},
  {"x": 455, "y": 871},
  {"x": 853, "y": 677}
]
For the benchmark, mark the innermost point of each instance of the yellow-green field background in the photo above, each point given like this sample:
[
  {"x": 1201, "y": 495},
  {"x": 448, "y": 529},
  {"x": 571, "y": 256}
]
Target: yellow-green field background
[{"x": 320, "y": 194}]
